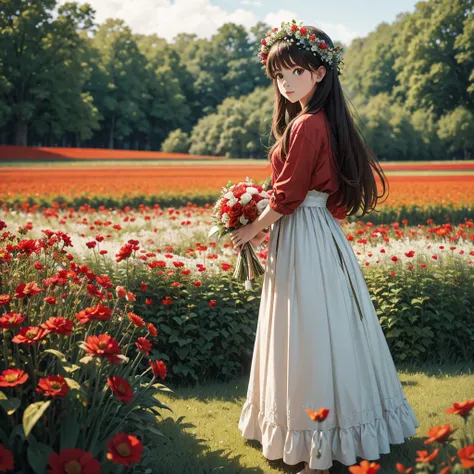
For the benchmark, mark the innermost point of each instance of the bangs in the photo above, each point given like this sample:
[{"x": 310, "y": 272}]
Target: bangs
[{"x": 283, "y": 55}]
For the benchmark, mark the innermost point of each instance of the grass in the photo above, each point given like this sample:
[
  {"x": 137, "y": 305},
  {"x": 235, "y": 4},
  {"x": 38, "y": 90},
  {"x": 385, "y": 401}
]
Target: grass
[{"x": 203, "y": 436}]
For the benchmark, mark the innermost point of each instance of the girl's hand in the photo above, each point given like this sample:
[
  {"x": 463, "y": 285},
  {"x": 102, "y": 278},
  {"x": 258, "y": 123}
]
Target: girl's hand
[
  {"x": 259, "y": 238},
  {"x": 241, "y": 236}
]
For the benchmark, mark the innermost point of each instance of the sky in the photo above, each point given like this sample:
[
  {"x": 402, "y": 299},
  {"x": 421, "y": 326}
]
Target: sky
[{"x": 342, "y": 20}]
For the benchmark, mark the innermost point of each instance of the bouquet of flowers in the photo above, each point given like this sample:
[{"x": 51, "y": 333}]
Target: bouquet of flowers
[{"x": 239, "y": 205}]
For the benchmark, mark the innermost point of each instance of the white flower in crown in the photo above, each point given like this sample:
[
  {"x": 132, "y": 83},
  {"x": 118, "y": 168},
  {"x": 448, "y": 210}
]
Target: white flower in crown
[
  {"x": 245, "y": 198},
  {"x": 304, "y": 40}
]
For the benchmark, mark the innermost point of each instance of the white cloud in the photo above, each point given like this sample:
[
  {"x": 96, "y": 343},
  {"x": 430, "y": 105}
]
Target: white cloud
[{"x": 167, "y": 18}]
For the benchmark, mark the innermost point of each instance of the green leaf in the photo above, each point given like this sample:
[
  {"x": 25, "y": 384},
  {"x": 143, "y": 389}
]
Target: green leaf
[
  {"x": 56, "y": 353},
  {"x": 38, "y": 454},
  {"x": 10, "y": 405},
  {"x": 32, "y": 414}
]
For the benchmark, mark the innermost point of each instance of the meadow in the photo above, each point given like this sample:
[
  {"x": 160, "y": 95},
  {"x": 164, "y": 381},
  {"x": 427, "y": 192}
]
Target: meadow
[{"x": 117, "y": 254}]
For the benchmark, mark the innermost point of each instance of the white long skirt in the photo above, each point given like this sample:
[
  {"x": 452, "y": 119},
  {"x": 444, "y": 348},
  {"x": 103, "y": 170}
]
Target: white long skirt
[{"x": 313, "y": 351}]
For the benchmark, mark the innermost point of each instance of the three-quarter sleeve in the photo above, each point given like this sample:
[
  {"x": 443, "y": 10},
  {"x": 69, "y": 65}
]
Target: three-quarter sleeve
[{"x": 294, "y": 181}]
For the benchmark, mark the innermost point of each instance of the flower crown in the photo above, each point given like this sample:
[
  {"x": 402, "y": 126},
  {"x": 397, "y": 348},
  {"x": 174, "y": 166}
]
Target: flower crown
[{"x": 310, "y": 42}]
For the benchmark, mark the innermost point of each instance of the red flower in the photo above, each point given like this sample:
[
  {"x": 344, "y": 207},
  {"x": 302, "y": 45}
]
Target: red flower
[
  {"x": 322, "y": 45},
  {"x": 167, "y": 300},
  {"x": 136, "y": 320},
  {"x": 70, "y": 461},
  {"x": 6, "y": 458},
  {"x": 121, "y": 388},
  {"x": 466, "y": 455},
  {"x": 144, "y": 345},
  {"x": 148, "y": 301},
  {"x": 10, "y": 320},
  {"x": 12, "y": 377},
  {"x": 401, "y": 468},
  {"x": 319, "y": 415},
  {"x": 152, "y": 330},
  {"x": 59, "y": 325},
  {"x": 423, "y": 456},
  {"x": 124, "y": 449},
  {"x": 226, "y": 266},
  {"x": 50, "y": 300},
  {"x": 53, "y": 386},
  {"x": 98, "y": 312},
  {"x": 29, "y": 335},
  {"x": 365, "y": 468},
  {"x": 5, "y": 299},
  {"x": 143, "y": 287},
  {"x": 462, "y": 409},
  {"x": 124, "y": 252},
  {"x": 303, "y": 30},
  {"x": 121, "y": 291},
  {"x": 440, "y": 434},
  {"x": 212, "y": 303},
  {"x": 158, "y": 368},
  {"x": 27, "y": 289},
  {"x": 103, "y": 345}
]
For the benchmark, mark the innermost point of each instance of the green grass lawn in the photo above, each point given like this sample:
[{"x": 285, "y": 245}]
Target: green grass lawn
[{"x": 207, "y": 438}]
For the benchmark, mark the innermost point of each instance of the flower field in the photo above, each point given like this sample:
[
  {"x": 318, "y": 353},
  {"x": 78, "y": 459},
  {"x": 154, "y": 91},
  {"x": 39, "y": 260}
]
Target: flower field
[{"x": 104, "y": 297}]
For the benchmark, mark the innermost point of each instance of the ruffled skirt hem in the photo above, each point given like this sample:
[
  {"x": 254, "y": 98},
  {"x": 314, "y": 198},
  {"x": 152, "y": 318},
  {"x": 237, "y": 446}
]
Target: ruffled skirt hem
[{"x": 366, "y": 441}]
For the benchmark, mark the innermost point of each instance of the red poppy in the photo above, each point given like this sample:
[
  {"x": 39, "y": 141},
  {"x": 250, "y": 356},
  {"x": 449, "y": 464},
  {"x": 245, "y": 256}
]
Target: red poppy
[
  {"x": 319, "y": 415},
  {"x": 10, "y": 320},
  {"x": 463, "y": 408},
  {"x": 27, "y": 289},
  {"x": 121, "y": 388},
  {"x": 97, "y": 312},
  {"x": 121, "y": 291},
  {"x": 50, "y": 300},
  {"x": 71, "y": 460},
  {"x": 30, "y": 335},
  {"x": 440, "y": 434},
  {"x": 53, "y": 386},
  {"x": 401, "y": 468},
  {"x": 466, "y": 455},
  {"x": 6, "y": 459},
  {"x": 148, "y": 301},
  {"x": 423, "y": 456},
  {"x": 158, "y": 368},
  {"x": 103, "y": 345},
  {"x": 365, "y": 468},
  {"x": 167, "y": 300},
  {"x": 136, "y": 320},
  {"x": 124, "y": 449},
  {"x": 59, "y": 325},
  {"x": 144, "y": 345},
  {"x": 13, "y": 377}
]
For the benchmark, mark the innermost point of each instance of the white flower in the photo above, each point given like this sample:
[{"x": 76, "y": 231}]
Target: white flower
[
  {"x": 229, "y": 195},
  {"x": 245, "y": 198},
  {"x": 232, "y": 201},
  {"x": 261, "y": 205},
  {"x": 243, "y": 220},
  {"x": 252, "y": 190},
  {"x": 225, "y": 218}
]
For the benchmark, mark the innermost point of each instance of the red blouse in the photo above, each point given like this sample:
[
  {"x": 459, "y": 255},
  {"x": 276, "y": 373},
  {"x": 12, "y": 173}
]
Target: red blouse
[{"x": 308, "y": 166}]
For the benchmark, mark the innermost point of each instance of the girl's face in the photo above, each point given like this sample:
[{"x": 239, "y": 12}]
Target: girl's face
[{"x": 298, "y": 83}]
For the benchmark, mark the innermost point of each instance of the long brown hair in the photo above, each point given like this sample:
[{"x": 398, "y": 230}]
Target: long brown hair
[{"x": 353, "y": 157}]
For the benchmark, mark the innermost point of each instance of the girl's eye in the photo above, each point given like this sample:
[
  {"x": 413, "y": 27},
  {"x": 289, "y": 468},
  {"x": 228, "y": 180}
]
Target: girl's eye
[{"x": 297, "y": 69}]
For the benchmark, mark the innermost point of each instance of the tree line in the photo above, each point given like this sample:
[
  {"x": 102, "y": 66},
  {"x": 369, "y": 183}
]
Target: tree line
[{"x": 67, "y": 81}]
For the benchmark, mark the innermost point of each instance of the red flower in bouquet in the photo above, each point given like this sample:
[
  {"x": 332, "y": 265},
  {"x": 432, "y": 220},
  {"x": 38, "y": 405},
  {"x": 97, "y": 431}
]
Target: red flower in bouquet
[
  {"x": 27, "y": 289},
  {"x": 53, "y": 386},
  {"x": 71, "y": 460},
  {"x": 124, "y": 449},
  {"x": 143, "y": 345},
  {"x": 238, "y": 206},
  {"x": 103, "y": 345},
  {"x": 97, "y": 312},
  {"x": 158, "y": 368},
  {"x": 6, "y": 458},
  {"x": 121, "y": 388},
  {"x": 30, "y": 335},
  {"x": 13, "y": 377},
  {"x": 10, "y": 320},
  {"x": 59, "y": 325}
]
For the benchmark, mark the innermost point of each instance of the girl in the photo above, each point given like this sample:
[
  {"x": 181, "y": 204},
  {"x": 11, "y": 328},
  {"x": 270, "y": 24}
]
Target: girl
[{"x": 319, "y": 343}]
